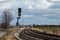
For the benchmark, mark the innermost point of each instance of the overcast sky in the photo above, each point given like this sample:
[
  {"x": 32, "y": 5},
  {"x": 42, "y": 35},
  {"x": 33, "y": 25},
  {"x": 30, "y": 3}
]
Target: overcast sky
[{"x": 34, "y": 11}]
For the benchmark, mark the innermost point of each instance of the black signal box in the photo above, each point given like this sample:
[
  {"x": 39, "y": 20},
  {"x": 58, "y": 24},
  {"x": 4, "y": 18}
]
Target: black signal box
[{"x": 19, "y": 11}]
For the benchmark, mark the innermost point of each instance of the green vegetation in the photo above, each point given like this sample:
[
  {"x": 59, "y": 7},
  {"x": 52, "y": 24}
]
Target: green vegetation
[{"x": 3, "y": 37}]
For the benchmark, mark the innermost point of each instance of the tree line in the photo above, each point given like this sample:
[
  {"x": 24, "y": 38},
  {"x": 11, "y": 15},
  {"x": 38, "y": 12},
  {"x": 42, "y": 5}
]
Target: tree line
[{"x": 46, "y": 25}]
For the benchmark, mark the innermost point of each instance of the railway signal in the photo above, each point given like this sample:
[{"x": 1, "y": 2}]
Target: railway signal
[
  {"x": 17, "y": 23},
  {"x": 19, "y": 11}
]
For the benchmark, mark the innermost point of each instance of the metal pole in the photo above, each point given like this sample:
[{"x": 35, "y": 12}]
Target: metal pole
[{"x": 17, "y": 23}]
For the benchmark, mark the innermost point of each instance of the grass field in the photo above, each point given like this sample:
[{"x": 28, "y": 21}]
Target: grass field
[{"x": 51, "y": 30}]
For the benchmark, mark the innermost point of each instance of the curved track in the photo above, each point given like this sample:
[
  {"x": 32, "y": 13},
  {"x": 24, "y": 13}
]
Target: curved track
[{"x": 40, "y": 35}]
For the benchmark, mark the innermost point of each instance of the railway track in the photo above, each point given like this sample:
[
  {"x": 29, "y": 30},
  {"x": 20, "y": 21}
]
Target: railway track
[
  {"x": 47, "y": 34},
  {"x": 41, "y": 35}
]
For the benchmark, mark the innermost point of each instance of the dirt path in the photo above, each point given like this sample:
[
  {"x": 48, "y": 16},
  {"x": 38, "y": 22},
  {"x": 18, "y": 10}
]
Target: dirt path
[{"x": 10, "y": 36}]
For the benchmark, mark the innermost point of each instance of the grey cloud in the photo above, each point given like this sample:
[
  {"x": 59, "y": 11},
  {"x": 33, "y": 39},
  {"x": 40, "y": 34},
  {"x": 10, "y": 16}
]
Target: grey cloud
[
  {"x": 53, "y": 1},
  {"x": 55, "y": 6}
]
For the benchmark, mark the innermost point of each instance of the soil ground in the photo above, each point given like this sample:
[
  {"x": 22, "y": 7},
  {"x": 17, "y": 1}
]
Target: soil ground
[{"x": 10, "y": 35}]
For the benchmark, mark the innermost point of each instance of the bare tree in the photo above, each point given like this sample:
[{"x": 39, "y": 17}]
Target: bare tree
[{"x": 6, "y": 18}]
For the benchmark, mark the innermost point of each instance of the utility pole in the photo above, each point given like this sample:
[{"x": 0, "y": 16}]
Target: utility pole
[{"x": 19, "y": 16}]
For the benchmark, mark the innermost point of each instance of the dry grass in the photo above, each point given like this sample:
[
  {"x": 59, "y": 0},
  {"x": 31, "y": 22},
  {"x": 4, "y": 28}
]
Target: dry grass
[
  {"x": 51, "y": 30},
  {"x": 10, "y": 35}
]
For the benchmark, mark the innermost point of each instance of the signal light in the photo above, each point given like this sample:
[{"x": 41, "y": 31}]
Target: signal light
[{"x": 19, "y": 11}]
